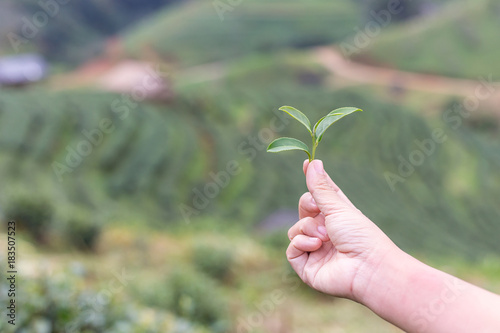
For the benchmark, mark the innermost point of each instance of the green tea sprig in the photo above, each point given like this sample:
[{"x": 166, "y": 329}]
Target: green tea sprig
[{"x": 316, "y": 132}]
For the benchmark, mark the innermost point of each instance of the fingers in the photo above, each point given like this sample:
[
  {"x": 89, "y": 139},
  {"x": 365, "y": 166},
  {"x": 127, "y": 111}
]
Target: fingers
[
  {"x": 301, "y": 244},
  {"x": 324, "y": 191},
  {"x": 332, "y": 184},
  {"x": 312, "y": 227},
  {"x": 305, "y": 165},
  {"x": 297, "y": 252},
  {"x": 307, "y": 206}
]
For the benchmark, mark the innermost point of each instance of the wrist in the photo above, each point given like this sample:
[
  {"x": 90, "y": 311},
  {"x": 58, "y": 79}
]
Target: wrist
[
  {"x": 387, "y": 278},
  {"x": 400, "y": 287}
]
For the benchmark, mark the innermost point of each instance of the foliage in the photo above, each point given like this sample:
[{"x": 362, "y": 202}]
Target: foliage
[
  {"x": 195, "y": 297},
  {"x": 405, "y": 9},
  {"x": 75, "y": 30},
  {"x": 59, "y": 304},
  {"x": 188, "y": 294},
  {"x": 254, "y": 27},
  {"x": 33, "y": 216},
  {"x": 461, "y": 33},
  {"x": 214, "y": 260},
  {"x": 316, "y": 132},
  {"x": 160, "y": 157},
  {"x": 82, "y": 232}
]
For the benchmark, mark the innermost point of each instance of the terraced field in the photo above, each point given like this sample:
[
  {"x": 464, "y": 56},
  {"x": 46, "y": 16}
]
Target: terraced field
[
  {"x": 165, "y": 155},
  {"x": 459, "y": 41}
]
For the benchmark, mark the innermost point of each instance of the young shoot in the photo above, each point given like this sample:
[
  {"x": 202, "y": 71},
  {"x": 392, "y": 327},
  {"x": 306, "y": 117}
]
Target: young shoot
[{"x": 316, "y": 132}]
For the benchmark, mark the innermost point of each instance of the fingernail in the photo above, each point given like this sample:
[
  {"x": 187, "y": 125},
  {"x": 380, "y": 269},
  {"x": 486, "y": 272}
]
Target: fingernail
[
  {"x": 322, "y": 230},
  {"x": 318, "y": 167},
  {"x": 313, "y": 203}
]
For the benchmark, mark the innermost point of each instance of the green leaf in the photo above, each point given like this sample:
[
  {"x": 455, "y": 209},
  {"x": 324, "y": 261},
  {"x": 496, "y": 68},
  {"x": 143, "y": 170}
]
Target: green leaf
[
  {"x": 283, "y": 144},
  {"x": 298, "y": 116},
  {"x": 327, "y": 121}
]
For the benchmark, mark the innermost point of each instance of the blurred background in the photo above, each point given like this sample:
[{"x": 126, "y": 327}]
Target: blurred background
[{"x": 132, "y": 153}]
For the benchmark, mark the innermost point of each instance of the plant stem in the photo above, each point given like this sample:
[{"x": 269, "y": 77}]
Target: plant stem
[{"x": 314, "y": 146}]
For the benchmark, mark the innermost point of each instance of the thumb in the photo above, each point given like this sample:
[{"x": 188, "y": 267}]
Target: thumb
[{"x": 327, "y": 199}]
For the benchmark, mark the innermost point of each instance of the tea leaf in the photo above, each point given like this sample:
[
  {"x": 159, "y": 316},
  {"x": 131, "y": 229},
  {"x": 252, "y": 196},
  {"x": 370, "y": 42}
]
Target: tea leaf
[
  {"x": 325, "y": 122},
  {"x": 283, "y": 144},
  {"x": 298, "y": 116}
]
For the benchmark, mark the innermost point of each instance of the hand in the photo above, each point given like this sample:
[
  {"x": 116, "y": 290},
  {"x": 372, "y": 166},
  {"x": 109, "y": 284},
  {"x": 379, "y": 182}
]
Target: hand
[{"x": 334, "y": 248}]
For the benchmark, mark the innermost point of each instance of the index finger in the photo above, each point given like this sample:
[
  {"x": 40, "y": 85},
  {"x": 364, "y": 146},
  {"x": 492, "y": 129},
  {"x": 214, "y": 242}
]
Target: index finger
[{"x": 307, "y": 206}]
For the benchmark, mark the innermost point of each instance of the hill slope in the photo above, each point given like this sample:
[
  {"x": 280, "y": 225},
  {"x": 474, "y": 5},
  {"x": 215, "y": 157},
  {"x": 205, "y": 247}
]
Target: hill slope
[
  {"x": 74, "y": 30},
  {"x": 457, "y": 42},
  {"x": 158, "y": 159},
  {"x": 195, "y": 32}
]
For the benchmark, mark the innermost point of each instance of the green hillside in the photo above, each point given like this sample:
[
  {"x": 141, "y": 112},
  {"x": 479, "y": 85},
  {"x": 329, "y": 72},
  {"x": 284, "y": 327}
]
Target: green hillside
[
  {"x": 459, "y": 41},
  {"x": 73, "y": 31},
  {"x": 147, "y": 216},
  {"x": 165, "y": 154},
  {"x": 196, "y": 32}
]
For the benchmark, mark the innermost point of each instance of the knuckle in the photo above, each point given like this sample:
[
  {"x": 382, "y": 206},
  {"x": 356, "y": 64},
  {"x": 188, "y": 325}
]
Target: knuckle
[
  {"x": 306, "y": 221},
  {"x": 323, "y": 186},
  {"x": 306, "y": 196}
]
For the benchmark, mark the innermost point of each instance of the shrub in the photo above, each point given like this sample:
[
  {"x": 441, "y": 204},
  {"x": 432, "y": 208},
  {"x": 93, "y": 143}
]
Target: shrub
[
  {"x": 33, "y": 216},
  {"x": 83, "y": 233},
  {"x": 197, "y": 298},
  {"x": 55, "y": 304},
  {"x": 215, "y": 261},
  {"x": 188, "y": 294},
  {"x": 63, "y": 303}
]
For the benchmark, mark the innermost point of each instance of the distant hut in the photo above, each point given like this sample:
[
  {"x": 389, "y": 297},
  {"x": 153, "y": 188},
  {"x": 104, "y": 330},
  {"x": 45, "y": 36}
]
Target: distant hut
[{"x": 21, "y": 70}]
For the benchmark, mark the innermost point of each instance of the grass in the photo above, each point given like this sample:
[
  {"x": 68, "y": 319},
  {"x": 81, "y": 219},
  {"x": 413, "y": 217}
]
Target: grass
[{"x": 149, "y": 257}]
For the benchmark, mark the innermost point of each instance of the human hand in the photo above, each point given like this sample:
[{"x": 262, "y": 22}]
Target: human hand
[
  {"x": 337, "y": 250},
  {"x": 334, "y": 248}
]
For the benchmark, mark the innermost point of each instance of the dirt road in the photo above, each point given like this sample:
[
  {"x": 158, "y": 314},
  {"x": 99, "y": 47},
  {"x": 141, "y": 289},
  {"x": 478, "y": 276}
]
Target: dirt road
[
  {"x": 349, "y": 71},
  {"x": 335, "y": 62}
]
